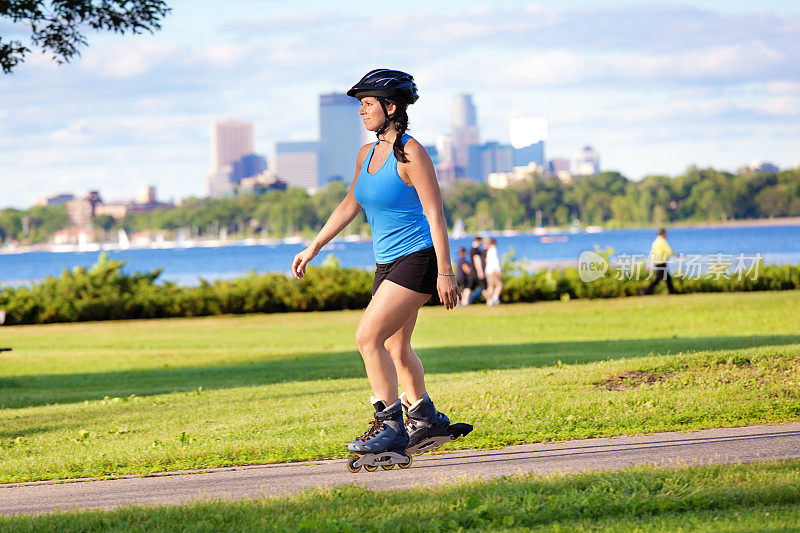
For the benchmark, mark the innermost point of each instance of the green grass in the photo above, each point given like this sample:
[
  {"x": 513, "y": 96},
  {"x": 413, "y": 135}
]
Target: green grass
[
  {"x": 749, "y": 497},
  {"x": 133, "y": 397}
]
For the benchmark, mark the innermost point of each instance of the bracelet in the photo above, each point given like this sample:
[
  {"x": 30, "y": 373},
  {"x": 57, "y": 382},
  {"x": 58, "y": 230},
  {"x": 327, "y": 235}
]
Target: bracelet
[{"x": 447, "y": 274}]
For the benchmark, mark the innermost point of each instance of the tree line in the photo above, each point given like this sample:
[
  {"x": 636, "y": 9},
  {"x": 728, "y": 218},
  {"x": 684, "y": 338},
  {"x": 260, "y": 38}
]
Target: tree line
[
  {"x": 608, "y": 199},
  {"x": 105, "y": 292}
]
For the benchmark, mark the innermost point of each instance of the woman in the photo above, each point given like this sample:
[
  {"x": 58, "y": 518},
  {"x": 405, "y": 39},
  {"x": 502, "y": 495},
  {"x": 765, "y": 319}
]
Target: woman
[
  {"x": 494, "y": 274},
  {"x": 462, "y": 268},
  {"x": 395, "y": 183}
]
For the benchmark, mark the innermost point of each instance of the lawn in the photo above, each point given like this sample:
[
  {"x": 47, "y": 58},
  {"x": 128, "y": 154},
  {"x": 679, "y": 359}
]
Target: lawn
[
  {"x": 749, "y": 497},
  {"x": 133, "y": 397}
]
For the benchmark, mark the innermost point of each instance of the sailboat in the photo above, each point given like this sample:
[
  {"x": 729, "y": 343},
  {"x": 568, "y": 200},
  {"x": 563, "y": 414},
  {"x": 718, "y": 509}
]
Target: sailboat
[
  {"x": 122, "y": 238},
  {"x": 458, "y": 229}
]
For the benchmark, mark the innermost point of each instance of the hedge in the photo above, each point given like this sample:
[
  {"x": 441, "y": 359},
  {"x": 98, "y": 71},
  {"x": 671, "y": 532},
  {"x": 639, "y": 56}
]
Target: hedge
[{"x": 105, "y": 292}]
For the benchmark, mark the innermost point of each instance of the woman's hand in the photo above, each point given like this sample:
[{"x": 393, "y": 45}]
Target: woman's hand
[
  {"x": 300, "y": 261},
  {"x": 448, "y": 291}
]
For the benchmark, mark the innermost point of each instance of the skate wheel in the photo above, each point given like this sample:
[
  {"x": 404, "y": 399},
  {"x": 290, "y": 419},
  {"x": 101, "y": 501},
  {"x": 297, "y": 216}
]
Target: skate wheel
[
  {"x": 406, "y": 465},
  {"x": 387, "y": 467},
  {"x": 351, "y": 464},
  {"x": 370, "y": 468}
]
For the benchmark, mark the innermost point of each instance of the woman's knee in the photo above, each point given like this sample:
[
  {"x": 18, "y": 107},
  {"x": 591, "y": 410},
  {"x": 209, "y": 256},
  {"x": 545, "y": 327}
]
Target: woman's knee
[
  {"x": 398, "y": 350},
  {"x": 404, "y": 357},
  {"x": 366, "y": 340}
]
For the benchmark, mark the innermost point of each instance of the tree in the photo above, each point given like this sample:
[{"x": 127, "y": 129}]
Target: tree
[
  {"x": 104, "y": 222},
  {"x": 56, "y": 26}
]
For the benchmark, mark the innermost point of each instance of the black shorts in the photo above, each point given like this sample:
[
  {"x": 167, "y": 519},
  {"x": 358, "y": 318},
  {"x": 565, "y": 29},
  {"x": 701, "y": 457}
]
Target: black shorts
[
  {"x": 474, "y": 282},
  {"x": 416, "y": 271}
]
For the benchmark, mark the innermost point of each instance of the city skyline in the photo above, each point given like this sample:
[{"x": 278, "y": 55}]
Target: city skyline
[
  {"x": 653, "y": 88},
  {"x": 459, "y": 153}
]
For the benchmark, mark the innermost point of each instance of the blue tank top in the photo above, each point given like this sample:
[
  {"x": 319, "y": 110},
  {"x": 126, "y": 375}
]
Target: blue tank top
[{"x": 393, "y": 210}]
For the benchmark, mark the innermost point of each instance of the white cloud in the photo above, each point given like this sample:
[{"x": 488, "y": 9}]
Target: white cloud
[
  {"x": 619, "y": 74},
  {"x": 728, "y": 64},
  {"x": 783, "y": 87},
  {"x": 75, "y": 134},
  {"x": 289, "y": 23},
  {"x": 782, "y": 106},
  {"x": 551, "y": 68},
  {"x": 227, "y": 55},
  {"x": 130, "y": 60}
]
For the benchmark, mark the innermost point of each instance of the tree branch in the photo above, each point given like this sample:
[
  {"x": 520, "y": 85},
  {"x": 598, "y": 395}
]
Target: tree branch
[{"x": 55, "y": 26}]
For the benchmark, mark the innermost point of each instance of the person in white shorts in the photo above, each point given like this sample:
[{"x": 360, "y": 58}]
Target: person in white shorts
[{"x": 494, "y": 273}]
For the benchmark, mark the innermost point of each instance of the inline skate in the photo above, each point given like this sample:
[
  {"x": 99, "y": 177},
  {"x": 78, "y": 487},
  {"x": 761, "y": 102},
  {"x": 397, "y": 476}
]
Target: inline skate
[
  {"x": 384, "y": 442},
  {"x": 427, "y": 428}
]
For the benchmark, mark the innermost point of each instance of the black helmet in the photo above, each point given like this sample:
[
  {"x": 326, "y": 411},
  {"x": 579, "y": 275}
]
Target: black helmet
[{"x": 385, "y": 83}]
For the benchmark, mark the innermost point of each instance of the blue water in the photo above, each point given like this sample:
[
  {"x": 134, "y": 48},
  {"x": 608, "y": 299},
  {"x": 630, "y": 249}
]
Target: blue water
[{"x": 778, "y": 244}]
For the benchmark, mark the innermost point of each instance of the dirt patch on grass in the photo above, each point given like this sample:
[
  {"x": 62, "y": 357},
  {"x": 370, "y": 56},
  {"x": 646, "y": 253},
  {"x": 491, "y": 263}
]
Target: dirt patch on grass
[{"x": 632, "y": 380}]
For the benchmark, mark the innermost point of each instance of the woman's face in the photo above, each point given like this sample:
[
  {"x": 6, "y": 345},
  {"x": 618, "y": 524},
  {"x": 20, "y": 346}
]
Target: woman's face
[{"x": 372, "y": 113}]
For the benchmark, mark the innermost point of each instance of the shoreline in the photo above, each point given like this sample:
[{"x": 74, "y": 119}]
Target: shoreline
[
  {"x": 740, "y": 223},
  {"x": 294, "y": 240}
]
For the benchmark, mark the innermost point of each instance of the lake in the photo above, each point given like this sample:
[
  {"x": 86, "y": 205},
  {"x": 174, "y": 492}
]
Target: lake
[{"x": 777, "y": 244}]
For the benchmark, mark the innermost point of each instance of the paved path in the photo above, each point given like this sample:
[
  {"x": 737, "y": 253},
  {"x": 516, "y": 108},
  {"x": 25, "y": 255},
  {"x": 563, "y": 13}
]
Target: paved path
[{"x": 725, "y": 445}]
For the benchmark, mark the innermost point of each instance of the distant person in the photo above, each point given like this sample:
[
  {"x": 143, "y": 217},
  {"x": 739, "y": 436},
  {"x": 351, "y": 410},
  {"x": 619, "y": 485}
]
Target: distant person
[
  {"x": 476, "y": 283},
  {"x": 494, "y": 273},
  {"x": 462, "y": 269},
  {"x": 395, "y": 184},
  {"x": 660, "y": 252}
]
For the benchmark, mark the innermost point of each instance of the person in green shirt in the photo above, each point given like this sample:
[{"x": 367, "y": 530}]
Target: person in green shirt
[{"x": 660, "y": 252}]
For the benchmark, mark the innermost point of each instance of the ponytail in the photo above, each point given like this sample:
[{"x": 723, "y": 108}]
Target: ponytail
[{"x": 400, "y": 119}]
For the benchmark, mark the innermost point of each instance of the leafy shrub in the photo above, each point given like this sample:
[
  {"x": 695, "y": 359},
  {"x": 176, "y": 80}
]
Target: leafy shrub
[{"x": 104, "y": 292}]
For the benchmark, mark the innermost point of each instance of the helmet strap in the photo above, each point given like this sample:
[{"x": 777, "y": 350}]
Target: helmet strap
[{"x": 385, "y": 125}]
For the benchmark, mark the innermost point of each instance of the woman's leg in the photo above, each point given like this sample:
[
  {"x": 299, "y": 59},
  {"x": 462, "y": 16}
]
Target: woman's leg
[
  {"x": 409, "y": 368},
  {"x": 489, "y": 288},
  {"x": 390, "y": 308},
  {"x": 497, "y": 286},
  {"x": 500, "y": 287},
  {"x": 465, "y": 296}
]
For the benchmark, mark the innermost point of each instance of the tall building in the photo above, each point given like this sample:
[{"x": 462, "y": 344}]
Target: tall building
[
  {"x": 433, "y": 153},
  {"x": 232, "y": 157},
  {"x": 146, "y": 195},
  {"x": 230, "y": 140},
  {"x": 341, "y": 133},
  {"x": 463, "y": 113},
  {"x": 489, "y": 158},
  {"x": 297, "y": 164},
  {"x": 587, "y": 162},
  {"x": 528, "y": 136},
  {"x": 247, "y": 166},
  {"x": 59, "y": 199},
  {"x": 465, "y": 131},
  {"x": 81, "y": 211},
  {"x": 533, "y": 153},
  {"x": 446, "y": 171},
  {"x": 444, "y": 149},
  {"x": 560, "y": 168}
]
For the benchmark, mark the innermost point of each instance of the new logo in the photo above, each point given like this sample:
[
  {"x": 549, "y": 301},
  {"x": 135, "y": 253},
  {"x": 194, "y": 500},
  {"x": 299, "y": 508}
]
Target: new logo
[{"x": 591, "y": 266}]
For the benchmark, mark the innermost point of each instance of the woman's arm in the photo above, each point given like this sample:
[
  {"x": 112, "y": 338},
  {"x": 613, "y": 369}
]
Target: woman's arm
[
  {"x": 477, "y": 262},
  {"x": 419, "y": 170},
  {"x": 344, "y": 213}
]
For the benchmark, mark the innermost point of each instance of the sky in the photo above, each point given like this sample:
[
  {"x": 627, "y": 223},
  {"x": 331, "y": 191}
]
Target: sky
[{"x": 653, "y": 87}]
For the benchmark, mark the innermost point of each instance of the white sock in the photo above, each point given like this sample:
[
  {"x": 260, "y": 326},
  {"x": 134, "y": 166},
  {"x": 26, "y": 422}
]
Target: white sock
[
  {"x": 375, "y": 399},
  {"x": 424, "y": 397}
]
